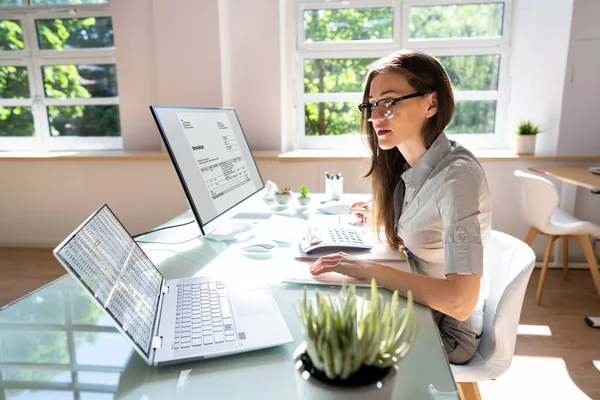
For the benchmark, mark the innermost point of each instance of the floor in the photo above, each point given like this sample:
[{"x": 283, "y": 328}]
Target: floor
[{"x": 557, "y": 356}]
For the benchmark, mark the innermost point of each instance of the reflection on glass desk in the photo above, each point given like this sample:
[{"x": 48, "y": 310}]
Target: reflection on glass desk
[{"x": 56, "y": 343}]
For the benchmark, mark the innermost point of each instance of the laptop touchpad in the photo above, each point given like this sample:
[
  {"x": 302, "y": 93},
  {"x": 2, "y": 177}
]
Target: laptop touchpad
[{"x": 252, "y": 302}]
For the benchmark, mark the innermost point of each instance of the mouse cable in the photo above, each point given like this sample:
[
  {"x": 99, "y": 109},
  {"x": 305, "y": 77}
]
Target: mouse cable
[
  {"x": 163, "y": 228},
  {"x": 185, "y": 241}
]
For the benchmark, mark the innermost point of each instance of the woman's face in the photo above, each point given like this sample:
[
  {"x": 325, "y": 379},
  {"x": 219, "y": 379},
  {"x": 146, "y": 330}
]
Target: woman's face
[{"x": 410, "y": 114}]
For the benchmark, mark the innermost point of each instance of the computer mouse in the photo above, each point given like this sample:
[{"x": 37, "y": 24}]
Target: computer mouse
[{"x": 260, "y": 246}]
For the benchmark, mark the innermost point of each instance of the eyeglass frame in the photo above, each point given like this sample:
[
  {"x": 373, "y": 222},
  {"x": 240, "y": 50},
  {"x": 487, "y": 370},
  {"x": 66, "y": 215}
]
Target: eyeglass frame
[{"x": 365, "y": 106}]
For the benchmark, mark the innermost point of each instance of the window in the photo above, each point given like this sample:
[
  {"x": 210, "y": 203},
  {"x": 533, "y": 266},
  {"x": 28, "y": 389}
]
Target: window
[
  {"x": 337, "y": 41},
  {"x": 58, "y": 78}
]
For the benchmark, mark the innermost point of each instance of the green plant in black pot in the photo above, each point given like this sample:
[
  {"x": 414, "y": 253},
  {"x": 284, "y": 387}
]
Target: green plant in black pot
[{"x": 352, "y": 349}]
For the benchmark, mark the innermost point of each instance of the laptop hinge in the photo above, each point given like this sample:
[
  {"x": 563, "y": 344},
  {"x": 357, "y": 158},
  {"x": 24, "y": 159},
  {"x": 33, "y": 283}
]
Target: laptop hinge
[
  {"x": 165, "y": 289},
  {"x": 156, "y": 342}
]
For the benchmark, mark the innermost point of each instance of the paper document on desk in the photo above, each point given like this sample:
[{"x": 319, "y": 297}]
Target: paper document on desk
[
  {"x": 300, "y": 274},
  {"x": 379, "y": 252}
]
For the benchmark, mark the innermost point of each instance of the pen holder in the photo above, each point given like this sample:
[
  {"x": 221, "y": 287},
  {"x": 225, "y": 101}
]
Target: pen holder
[{"x": 334, "y": 188}]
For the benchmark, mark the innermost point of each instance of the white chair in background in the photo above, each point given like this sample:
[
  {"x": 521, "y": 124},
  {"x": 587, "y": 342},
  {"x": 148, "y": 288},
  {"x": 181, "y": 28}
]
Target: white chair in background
[
  {"x": 540, "y": 209},
  {"x": 508, "y": 262}
]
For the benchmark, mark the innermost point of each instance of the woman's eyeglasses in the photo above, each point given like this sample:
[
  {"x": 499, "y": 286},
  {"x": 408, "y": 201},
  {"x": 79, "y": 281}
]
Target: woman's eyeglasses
[{"x": 385, "y": 107}]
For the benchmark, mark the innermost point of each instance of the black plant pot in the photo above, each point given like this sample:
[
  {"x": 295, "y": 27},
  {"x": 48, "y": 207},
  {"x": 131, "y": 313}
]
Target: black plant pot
[{"x": 367, "y": 383}]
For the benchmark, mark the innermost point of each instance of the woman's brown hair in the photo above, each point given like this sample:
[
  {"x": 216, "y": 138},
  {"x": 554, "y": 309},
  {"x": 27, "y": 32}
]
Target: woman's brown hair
[{"x": 425, "y": 74}]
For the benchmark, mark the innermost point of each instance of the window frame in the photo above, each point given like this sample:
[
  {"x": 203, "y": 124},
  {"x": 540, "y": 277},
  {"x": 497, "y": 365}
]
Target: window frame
[
  {"x": 435, "y": 47},
  {"x": 34, "y": 59}
]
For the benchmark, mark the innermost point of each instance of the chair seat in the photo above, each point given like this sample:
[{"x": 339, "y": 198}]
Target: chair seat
[{"x": 563, "y": 223}]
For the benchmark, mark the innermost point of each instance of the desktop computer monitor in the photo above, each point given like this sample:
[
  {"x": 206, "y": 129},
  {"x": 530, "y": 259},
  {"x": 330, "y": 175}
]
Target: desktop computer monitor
[{"x": 212, "y": 159}]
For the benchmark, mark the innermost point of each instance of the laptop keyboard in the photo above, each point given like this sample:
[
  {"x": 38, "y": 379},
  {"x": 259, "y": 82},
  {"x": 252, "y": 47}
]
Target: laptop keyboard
[{"x": 203, "y": 315}]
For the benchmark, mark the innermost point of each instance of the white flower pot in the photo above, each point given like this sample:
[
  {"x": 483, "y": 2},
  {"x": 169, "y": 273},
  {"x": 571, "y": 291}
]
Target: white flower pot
[
  {"x": 523, "y": 144},
  {"x": 303, "y": 201},
  {"x": 310, "y": 388},
  {"x": 283, "y": 198}
]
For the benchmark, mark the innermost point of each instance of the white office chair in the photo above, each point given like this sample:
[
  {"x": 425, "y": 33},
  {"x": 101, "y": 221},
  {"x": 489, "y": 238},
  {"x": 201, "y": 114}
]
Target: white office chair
[
  {"x": 539, "y": 198},
  {"x": 508, "y": 263}
]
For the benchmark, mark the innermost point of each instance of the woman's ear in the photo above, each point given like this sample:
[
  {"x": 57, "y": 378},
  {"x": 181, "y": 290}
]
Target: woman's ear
[{"x": 432, "y": 110}]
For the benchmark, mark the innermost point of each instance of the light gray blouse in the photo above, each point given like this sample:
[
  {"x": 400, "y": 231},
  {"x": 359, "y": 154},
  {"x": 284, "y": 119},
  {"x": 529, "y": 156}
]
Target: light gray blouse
[{"x": 446, "y": 213}]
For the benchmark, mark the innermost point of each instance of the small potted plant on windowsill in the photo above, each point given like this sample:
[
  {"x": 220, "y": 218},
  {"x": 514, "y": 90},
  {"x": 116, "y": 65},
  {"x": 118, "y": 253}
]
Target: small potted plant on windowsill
[
  {"x": 351, "y": 349},
  {"x": 524, "y": 140},
  {"x": 303, "y": 199},
  {"x": 283, "y": 195}
]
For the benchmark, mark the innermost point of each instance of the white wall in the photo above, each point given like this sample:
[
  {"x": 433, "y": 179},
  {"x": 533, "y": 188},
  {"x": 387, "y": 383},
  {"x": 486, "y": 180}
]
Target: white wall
[
  {"x": 539, "y": 41},
  {"x": 254, "y": 56},
  {"x": 202, "y": 53},
  {"x": 168, "y": 53},
  {"x": 580, "y": 124},
  {"x": 136, "y": 72}
]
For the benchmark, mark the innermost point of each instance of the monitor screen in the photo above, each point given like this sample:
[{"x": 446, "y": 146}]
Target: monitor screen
[
  {"x": 109, "y": 263},
  {"x": 212, "y": 158}
]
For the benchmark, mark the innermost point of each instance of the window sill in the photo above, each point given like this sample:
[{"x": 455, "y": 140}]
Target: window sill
[
  {"x": 483, "y": 155},
  {"x": 107, "y": 156},
  {"x": 276, "y": 156}
]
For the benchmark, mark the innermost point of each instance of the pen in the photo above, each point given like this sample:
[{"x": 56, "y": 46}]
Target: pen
[
  {"x": 327, "y": 175},
  {"x": 339, "y": 175}
]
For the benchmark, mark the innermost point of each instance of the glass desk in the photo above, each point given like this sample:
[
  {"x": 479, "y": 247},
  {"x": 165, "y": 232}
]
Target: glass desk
[{"x": 56, "y": 343}]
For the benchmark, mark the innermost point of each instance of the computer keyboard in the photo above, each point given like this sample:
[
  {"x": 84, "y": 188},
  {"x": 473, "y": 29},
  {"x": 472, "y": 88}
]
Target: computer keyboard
[
  {"x": 203, "y": 315},
  {"x": 335, "y": 237},
  {"x": 339, "y": 235}
]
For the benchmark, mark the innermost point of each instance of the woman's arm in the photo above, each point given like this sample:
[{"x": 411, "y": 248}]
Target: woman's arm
[{"x": 456, "y": 295}]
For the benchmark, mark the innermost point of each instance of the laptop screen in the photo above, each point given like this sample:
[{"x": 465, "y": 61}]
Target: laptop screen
[
  {"x": 115, "y": 270},
  {"x": 212, "y": 157}
]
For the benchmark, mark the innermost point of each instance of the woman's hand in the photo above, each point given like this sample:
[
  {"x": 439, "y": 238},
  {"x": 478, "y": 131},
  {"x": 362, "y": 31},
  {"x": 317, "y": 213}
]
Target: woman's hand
[
  {"x": 361, "y": 211},
  {"x": 343, "y": 264}
]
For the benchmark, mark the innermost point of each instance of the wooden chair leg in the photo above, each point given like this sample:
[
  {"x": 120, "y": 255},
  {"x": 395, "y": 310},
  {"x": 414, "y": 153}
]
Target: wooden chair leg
[
  {"x": 468, "y": 390},
  {"x": 591, "y": 259},
  {"x": 531, "y": 235},
  {"x": 565, "y": 241},
  {"x": 538, "y": 297}
]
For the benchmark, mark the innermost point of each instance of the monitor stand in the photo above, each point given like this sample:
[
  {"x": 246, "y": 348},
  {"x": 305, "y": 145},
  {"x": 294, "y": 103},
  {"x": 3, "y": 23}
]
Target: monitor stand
[{"x": 232, "y": 230}]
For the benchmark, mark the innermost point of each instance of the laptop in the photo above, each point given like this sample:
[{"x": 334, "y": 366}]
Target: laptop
[{"x": 167, "y": 321}]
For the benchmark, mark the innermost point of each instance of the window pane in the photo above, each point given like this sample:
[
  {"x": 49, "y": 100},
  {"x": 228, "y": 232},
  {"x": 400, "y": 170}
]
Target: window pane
[
  {"x": 348, "y": 24},
  {"x": 341, "y": 75},
  {"x": 65, "y": 2},
  {"x": 84, "y": 120},
  {"x": 331, "y": 118},
  {"x": 10, "y": 3},
  {"x": 83, "y": 81},
  {"x": 11, "y": 35},
  {"x": 472, "y": 72},
  {"x": 13, "y": 82},
  {"x": 478, "y": 116},
  {"x": 16, "y": 121},
  {"x": 75, "y": 33},
  {"x": 456, "y": 21}
]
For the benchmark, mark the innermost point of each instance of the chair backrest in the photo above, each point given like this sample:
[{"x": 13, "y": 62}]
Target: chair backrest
[
  {"x": 508, "y": 262},
  {"x": 539, "y": 199}
]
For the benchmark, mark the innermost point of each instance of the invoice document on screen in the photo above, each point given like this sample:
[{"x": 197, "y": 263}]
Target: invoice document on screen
[{"x": 217, "y": 152}]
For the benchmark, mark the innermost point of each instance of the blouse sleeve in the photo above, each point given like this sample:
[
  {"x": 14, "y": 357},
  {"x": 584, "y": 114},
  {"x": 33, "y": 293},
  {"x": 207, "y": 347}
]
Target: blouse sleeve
[{"x": 459, "y": 203}]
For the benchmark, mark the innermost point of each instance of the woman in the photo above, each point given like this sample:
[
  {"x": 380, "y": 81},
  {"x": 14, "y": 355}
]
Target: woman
[{"x": 429, "y": 195}]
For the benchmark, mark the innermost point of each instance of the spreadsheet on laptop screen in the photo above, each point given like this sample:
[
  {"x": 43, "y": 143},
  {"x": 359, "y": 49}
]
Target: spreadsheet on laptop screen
[{"x": 117, "y": 272}]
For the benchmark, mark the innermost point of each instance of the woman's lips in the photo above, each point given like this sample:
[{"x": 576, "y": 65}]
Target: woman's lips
[{"x": 382, "y": 132}]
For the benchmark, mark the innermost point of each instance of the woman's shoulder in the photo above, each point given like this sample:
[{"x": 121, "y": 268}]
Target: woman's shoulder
[{"x": 460, "y": 163}]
